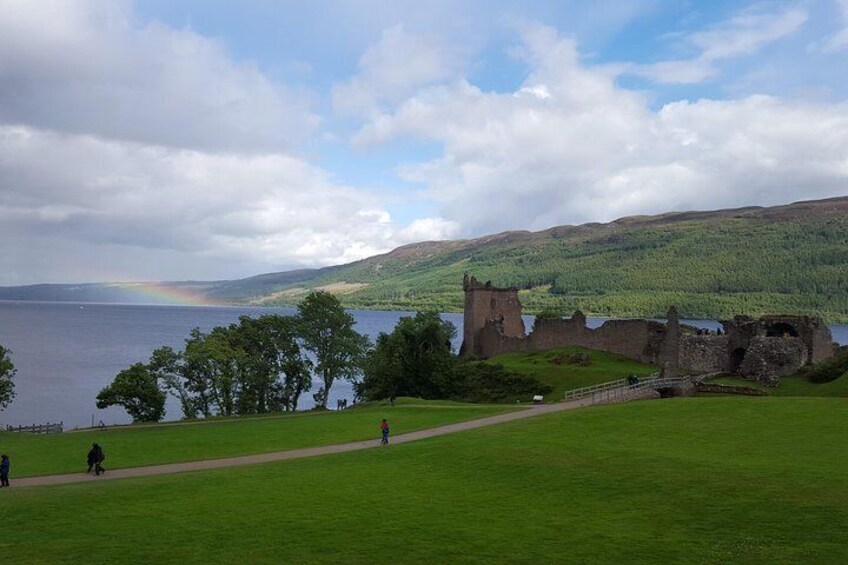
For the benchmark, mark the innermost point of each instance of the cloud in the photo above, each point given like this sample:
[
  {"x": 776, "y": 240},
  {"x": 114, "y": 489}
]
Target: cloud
[
  {"x": 89, "y": 67},
  {"x": 268, "y": 210},
  {"x": 741, "y": 35},
  {"x": 589, "y": 150},
  {"x": 839, "y": 40},
  {"x": 391, "y": 69},
  {"x": 152, "y": 150}
]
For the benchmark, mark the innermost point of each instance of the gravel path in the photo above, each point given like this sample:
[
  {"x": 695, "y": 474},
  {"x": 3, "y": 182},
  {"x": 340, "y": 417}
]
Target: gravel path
[{"x": 295, "y": 453}]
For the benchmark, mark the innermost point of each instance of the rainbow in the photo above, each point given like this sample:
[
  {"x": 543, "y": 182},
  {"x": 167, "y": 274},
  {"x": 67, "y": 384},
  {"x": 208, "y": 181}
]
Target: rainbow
[{"x": 168, "y": 293}]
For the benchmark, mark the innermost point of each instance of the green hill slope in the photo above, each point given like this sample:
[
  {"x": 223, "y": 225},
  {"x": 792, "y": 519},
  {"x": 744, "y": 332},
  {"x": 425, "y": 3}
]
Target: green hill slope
[
  {"x": 788, "y": 259},
  {"x": 783, "y": 259}
]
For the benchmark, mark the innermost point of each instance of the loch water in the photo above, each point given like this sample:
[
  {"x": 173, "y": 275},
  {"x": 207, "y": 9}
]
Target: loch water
[{"x": 66, "y": 352}]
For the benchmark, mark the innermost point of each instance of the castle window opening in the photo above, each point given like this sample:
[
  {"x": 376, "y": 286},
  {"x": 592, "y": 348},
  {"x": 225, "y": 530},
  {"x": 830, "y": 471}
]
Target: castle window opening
[{"x": 781, "y": 329}]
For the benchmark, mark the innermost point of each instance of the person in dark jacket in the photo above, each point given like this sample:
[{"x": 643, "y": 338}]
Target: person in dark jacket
[
  {"x": 4, "y": 470},
  {"x": 95, "y": 459}
]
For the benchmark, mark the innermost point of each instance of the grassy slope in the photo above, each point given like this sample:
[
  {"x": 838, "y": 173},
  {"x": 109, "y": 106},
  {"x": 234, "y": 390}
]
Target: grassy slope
[
  {"x": 794, "y": 386},
  {"x": 134, "y": 446},
  {"x": 565, "y": 376},
  {"x": 684, "y": 481}
]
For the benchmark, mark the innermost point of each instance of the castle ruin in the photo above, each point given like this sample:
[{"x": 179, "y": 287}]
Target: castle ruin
[{"x": 762, "y": 349}]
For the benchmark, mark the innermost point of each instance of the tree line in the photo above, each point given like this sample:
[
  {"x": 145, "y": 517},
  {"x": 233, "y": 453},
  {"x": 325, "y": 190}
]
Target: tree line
[
  {"x": 256, "y": 366},
  {"x": 266, "y": 364}
]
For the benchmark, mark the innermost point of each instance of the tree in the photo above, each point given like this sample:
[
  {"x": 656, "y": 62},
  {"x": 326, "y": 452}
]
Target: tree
[
  {"x": 414, "y": 360},
  {"x": 172, "y": 372},
  {"x": 276, "y": 373},
  {"x": 327, "y": 331},
  {"x": 215, "y": 363},
  {"x": 7, "y": 372},
  {"x": 137, "y": 390}
]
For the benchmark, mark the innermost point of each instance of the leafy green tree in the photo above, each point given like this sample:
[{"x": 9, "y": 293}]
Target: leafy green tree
[
  {"x": 137, "y": 390},
  {"x": 175, "y": 377},
  {"x": 216, "y": 363},
  {"x": 414, "y": 360},
  {"x": 276, "y": 372},
  {"x": 549, "y": 313},
  {"x": 7, "y": 372},
  {"x": 327, "y": 331}
]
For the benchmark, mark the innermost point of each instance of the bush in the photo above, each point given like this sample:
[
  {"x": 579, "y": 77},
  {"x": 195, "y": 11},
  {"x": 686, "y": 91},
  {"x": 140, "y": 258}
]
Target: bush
[
  {"x": 487, "y": 382},
  {"x": 827, "y": 370}
]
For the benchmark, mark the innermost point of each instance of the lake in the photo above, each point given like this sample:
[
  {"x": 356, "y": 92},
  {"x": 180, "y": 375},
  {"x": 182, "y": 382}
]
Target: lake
[{"x": 66, "y": 352}]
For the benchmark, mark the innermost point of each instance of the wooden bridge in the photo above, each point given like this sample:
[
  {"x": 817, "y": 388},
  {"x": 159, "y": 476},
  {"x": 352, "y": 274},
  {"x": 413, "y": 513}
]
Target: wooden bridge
[{"x": 624, "y": 389}]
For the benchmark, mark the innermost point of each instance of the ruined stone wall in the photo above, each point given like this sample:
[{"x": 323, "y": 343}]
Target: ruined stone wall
[
  {"x": 769, "y": 358},
  {"x": 820, "y": 341},
  {"x": 491, "y": 342},
  {"x": 764, "y": 349},
  {"x": 641, "y": 340},
  {"x": 704, "y": 353},
  {"x": 667, "y": 339},
  {"x": 630, "y": 338},
  {"x": 550, "y": 333}
]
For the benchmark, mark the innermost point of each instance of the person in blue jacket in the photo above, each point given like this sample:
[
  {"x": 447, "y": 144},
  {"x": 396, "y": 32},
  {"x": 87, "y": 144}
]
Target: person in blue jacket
[{"x": 4, "y": 470}]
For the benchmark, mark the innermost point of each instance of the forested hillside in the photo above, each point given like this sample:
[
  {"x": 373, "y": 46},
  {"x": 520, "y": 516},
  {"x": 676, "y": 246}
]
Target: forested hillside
[
  {"x": 787, "y": 259},
  {"x": 784, "y": 259}
]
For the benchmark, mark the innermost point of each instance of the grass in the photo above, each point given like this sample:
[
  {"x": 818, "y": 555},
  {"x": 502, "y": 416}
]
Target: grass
[
  {"x": 552, "y": 368},
  {"x": 793, "y": 386},
  {"x": 741, "y": 480},
  {"x": 134, "y": 446}
]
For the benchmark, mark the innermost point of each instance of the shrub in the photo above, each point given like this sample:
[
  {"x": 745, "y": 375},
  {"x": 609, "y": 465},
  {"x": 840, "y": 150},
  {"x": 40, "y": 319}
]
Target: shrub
[
  {"x": 827, "y": 370},
  {"x": 486, "y": 382}
]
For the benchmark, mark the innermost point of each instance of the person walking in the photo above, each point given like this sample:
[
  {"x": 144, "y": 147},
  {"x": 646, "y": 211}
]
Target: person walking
[
  {"x": 4, "y": 470},
  {"x": 384, "y": 428},
  {"x": 95, "y": 459}
]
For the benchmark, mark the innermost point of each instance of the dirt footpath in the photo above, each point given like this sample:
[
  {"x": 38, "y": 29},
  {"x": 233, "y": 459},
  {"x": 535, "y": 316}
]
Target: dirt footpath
[{"x": 295, "y": 453}]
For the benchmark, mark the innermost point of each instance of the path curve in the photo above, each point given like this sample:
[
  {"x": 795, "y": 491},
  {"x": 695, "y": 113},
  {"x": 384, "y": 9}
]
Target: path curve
[{"x": 296, "y": 453}]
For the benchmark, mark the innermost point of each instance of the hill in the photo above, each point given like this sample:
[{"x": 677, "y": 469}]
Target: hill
[{"x": 753, "y": 260}]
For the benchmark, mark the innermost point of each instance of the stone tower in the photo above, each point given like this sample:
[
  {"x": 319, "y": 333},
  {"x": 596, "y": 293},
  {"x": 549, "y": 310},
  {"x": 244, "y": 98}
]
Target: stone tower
[{"x": 485, "y": 303}]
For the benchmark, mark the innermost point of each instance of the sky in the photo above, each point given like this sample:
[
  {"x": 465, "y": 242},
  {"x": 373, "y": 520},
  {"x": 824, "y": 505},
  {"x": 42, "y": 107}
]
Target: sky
[{"x": 165, "y": 140}]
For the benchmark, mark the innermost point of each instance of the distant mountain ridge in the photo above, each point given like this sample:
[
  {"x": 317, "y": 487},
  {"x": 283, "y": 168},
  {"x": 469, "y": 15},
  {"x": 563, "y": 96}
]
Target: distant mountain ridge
[{"x": 753, "y": 260}]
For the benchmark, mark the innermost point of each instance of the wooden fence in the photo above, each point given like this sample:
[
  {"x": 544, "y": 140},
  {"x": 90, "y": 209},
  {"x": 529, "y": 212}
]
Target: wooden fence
[{"x": 38, "y": 429}]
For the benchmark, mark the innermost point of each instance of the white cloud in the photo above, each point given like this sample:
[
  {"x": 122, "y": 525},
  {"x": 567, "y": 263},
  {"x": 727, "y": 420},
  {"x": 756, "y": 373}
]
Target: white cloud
[
  {"x": 839, "y": 40},
  {"x": 137, "y": 150},
  {"x": 429, "y": 229},
  {"x": 390, "y": 70},
  {"x": 265, "y": 210},
  {"x": 744, "y": 34},
  {"x": 590, "y": 150},
  {"x": 88, "y": 67}
]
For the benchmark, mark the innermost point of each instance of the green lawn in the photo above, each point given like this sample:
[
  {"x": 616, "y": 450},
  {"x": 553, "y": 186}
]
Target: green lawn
[
  {"x": 552, "y": 368},
  {"x": 793, "y": 386},
  {"x": 133, "y": 446},
  {"x": 718, "y": 480}
]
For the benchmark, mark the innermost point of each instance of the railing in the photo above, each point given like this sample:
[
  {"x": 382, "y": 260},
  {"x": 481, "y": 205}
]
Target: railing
[
  {"x": 601, "y": 388},
  {"x": 613, "y": 390},
  {"x": 38, "y": 428}
]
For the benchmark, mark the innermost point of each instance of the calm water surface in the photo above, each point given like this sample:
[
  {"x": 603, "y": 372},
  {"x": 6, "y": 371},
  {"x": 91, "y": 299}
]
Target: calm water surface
[{"x": 65, "y": 353}]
